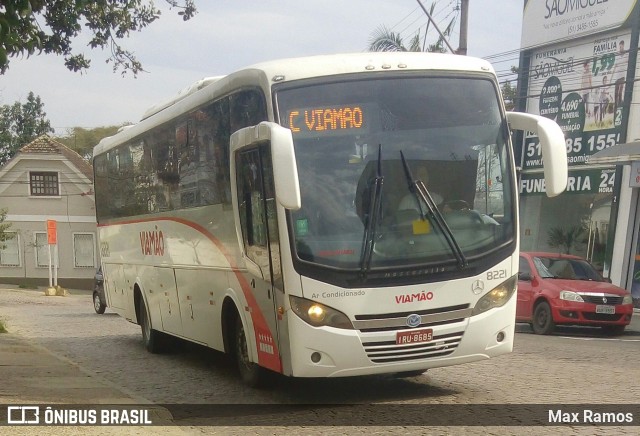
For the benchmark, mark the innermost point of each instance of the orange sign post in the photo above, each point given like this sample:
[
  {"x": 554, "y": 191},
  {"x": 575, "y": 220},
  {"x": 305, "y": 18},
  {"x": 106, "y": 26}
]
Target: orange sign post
[
  {"x": 52, "y": 232},
  {"x": 52, "y": 239}
]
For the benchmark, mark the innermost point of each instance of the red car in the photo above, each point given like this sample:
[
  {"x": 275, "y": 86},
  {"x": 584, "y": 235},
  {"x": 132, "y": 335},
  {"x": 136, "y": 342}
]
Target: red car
[{"x": 558, "y": 289}]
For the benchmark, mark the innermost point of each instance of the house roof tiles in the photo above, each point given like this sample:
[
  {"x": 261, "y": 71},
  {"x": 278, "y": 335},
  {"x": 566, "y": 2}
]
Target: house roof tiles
[{"x": 47, "y": 145}]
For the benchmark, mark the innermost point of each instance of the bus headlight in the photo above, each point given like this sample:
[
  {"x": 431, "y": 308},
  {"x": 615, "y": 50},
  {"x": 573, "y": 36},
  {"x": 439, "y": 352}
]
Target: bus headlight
[
  {"x": 319, "y": 315},
  {"x": 496, "y": 297}
]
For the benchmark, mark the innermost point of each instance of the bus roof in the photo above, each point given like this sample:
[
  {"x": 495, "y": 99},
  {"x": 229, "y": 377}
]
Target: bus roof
[
  {"x": 327, "y": 65},
  {"x": 286, "y": 70}
]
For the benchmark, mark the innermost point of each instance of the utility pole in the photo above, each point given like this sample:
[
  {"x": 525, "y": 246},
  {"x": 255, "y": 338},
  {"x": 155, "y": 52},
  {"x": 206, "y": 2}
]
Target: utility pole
[
  {"x": 444, "y": 38},
  {"x": 464, "y": 22}
]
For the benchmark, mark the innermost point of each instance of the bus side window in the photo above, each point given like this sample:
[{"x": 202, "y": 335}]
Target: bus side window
[{"x": 247, "y": 109}]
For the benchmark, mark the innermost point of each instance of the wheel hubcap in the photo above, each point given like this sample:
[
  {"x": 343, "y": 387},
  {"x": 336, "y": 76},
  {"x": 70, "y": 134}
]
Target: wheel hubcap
[
  {"x": 542, "y": 318},
  {"x": 96, "y": 302}
]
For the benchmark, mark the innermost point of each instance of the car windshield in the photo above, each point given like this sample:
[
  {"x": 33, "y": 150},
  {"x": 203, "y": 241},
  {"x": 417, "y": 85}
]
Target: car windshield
[
  {"x": 542, "y": 269},
  {"x": 568, "y": 269},
  {"x": 361, "y": 204}
]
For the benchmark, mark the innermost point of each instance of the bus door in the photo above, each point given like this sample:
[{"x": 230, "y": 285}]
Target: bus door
[{"x": 259, "y": 226}]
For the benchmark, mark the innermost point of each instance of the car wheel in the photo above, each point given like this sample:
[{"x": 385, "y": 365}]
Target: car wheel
[
  {"x": 613, "y": 330},
  {"x": 154, "y": 341},
  {"x": 543, "y": 319},
  {"x": 97, "y": 303},
  {"x": 251, "y": 373}
]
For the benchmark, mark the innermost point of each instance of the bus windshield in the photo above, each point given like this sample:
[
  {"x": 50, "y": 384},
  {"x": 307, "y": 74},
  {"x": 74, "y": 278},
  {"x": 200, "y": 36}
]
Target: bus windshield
[{"x": 361, "y": 208}]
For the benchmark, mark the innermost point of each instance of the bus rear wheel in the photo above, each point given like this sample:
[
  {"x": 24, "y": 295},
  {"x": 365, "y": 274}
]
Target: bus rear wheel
[
  {"x": 251, "y": 373},
  {"x": 153, "y": 340}
]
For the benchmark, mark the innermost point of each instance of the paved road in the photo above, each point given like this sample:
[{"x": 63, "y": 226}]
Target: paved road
[{"x": 573, "y": 366}]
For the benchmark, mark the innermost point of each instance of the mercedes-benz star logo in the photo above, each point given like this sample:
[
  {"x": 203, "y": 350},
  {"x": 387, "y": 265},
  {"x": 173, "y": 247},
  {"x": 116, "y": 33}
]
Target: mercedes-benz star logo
[
  {"x": 477, "y": 287},
  {"x": 414, "y": 320}
]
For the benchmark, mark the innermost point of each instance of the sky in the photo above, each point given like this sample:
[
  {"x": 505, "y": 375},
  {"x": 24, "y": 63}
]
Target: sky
[{"x": 227, "y": 35}]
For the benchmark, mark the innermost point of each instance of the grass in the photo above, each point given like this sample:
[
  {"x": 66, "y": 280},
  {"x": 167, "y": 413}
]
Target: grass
[
  {"x": 27, "y": 287},
  {"x": 2, "y": 329}
]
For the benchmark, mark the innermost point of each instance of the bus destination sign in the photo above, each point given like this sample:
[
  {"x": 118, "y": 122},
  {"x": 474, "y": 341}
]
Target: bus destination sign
[{"x": 327, "y": 119}]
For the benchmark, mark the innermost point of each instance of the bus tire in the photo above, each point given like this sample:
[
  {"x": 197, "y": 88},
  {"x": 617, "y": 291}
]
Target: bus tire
[
  {"x": 153, "y": 339},
  {"x": 251, "y": 373}
]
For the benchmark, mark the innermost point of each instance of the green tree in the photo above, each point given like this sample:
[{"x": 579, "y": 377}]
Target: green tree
[
  {"x": 4, "y": 229},
  {"x": 50, "y": 26},
  {"x": 510, "y": 93},
  {"x": 565, "y": 239},
  {"x": 21, "y": 123},
  {"x": 383, "y": 39},
  {"x": 82, "y": 140}
]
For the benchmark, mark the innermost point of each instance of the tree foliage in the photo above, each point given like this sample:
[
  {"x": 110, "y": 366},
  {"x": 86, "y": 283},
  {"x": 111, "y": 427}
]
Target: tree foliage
[
  {"x": 509, "y": 94},
  {"x": 383, "y": 39},
  {"x": 82, "y": 140},
  {"x": 50, "y": 26},
  {"x": 564, "y": 239},
  {"x": 21, "y": 123}
]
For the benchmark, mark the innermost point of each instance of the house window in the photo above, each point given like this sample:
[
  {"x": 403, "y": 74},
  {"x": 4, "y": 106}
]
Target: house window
[
  {"x": 42, "y": 251},
  {"x": 44, "y": 183},
  {"x": 84, "y": 250},
  {"x": 10, "y": 254}
]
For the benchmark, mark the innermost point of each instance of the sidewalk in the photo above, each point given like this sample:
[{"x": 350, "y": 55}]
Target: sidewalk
[{"x": 31, "y": 374}]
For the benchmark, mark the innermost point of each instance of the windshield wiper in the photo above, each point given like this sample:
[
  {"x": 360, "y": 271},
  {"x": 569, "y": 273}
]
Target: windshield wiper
[
  {"x": 375, "y": 202},
  {"x": 420, "y": 191}
]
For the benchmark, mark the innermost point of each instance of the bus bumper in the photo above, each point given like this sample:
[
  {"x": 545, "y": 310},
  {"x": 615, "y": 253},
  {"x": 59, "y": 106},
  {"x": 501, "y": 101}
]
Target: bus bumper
[{"x": 332, "y": 352}]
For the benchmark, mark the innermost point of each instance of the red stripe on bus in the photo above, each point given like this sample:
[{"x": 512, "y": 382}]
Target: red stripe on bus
[{"x": 266, "y": 358}]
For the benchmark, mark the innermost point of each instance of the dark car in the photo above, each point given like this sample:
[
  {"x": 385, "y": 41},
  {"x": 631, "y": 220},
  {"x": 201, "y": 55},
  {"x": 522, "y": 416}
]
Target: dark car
[
  {"x": 558, "y": 289},
  {"x": 99, "y": 300}
]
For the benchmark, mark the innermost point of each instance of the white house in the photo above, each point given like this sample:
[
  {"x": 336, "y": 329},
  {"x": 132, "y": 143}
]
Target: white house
[{"x": 45, "y": 181}]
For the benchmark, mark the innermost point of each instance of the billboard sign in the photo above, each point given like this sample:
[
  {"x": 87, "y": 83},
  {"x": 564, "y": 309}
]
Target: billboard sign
[
  {"x": 591, "y": 181},
  {"x": 551, "y": 21},
  {"x": 581, "y": 87}
]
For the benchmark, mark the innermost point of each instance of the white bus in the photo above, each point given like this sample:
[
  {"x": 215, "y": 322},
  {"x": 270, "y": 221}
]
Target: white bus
[{"x": 261, "y": 214}]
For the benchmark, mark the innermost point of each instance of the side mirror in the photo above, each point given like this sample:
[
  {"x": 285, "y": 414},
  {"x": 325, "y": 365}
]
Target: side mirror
[
  {"x": 525, "y": 276},
  {"x": 552, "y": 144},
  {"x": 283, "y": 157}
]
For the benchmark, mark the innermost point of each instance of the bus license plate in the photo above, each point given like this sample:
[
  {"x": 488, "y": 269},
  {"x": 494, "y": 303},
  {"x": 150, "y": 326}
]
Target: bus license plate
[
  {"x": 414, "y": 336},
  {"x": 605, "y": 309}
]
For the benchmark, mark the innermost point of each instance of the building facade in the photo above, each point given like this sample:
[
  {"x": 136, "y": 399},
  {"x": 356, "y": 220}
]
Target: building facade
[
  {"x": 578, "y": 66},
  {"x": 47, "y": 181}
]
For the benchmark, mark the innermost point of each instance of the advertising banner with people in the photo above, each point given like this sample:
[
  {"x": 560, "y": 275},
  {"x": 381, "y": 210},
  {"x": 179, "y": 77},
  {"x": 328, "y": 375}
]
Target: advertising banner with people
[{"x": 579, "y": 84}]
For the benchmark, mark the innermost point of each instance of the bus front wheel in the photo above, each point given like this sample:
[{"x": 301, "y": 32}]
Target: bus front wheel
[{"x": 250, "y": 373}]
